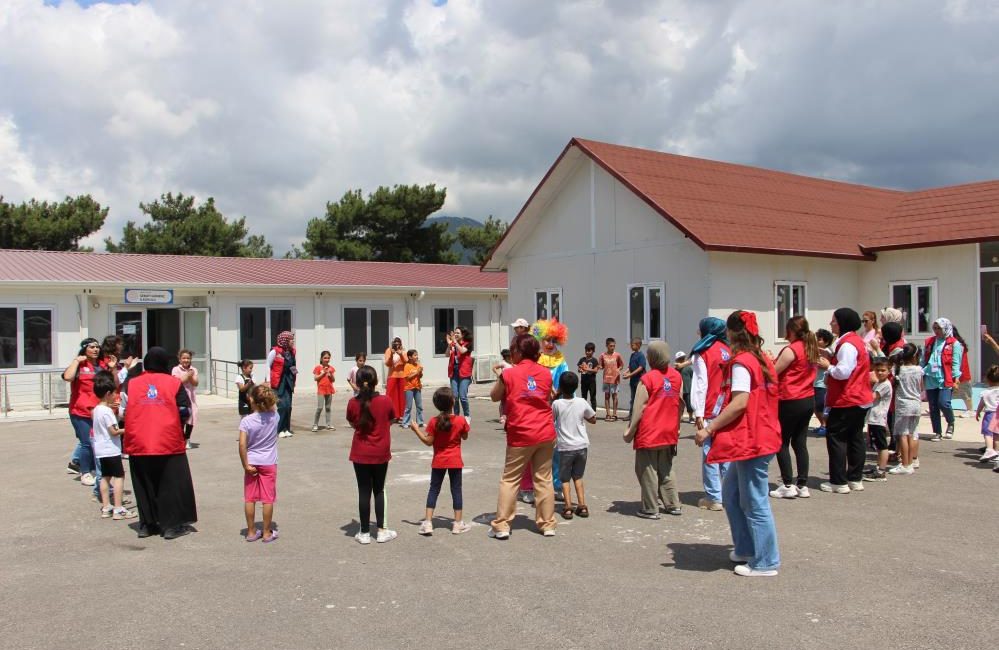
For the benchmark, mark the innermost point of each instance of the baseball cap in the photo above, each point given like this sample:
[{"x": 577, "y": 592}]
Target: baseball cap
[
  {"x": 680, "y": 355},
  {"x": 520, "y": 322}
]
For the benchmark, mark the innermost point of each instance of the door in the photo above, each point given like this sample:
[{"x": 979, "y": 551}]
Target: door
[
  {"x": 194, "y": 336},
  {"x": 130, "y": 325}
]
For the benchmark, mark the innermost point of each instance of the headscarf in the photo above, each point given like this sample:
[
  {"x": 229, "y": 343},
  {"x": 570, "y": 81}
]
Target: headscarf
[
  {"x": 847, "y": 319},
  {"x": 892, "y": 315},
  {"x": 84, "y": 343},
  {"x": 657, "y": 354},
  {"x": 157, "y": 360},
  {"x": 891, "y": 333},
  {"x": 946, "y": 326},
  {"x": 712, "y": 329},
  {"x": 284, "y": 339}
]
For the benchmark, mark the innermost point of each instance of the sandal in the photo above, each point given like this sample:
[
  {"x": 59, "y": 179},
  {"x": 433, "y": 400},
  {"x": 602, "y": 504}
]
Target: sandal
[
  {"x": 255, "y": 536},
  {"x": 582, "y": 511},
  {"x": 567, "y": 512}
]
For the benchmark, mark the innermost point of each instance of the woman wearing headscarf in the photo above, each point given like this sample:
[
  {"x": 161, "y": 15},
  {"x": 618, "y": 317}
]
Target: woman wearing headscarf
[
  {"x": 848, "y": 397},
  {"x": 155, "y": 404},
  {"x": 709, "y": 357},
  {"x": 283, "y": 371},
  {"x": 82, "y": 400},
  {"x": 746, "y": 434},
  {"x": 942, "y": 355},
  {"x": 892, "y": 315}
]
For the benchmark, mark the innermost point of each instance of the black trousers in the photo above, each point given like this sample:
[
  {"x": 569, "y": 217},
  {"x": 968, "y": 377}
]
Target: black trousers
[
  {"x": 370, "y": 480},
  {"x": 164, "y": 491},
  {"x": 845, "y": 444},
  {"x": 588, "y": 386},
  {"x": 794, "y": 416}
]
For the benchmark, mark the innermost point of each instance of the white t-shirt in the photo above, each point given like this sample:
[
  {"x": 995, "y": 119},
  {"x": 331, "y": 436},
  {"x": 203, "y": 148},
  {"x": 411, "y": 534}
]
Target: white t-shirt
[
  {"x": 570, "y": 423},
  {"x": 878, "y": 415},
  {"x": 105, "y": 445},
  {"x": 990, "y": 397}
]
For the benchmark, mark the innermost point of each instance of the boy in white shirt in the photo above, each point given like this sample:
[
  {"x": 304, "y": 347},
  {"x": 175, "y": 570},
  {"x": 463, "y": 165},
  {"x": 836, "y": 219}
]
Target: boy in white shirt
[
  {"x": 107, "y": 448},
  {"x": 571, "y": 415},
  {"x": 877, "y": 418}
]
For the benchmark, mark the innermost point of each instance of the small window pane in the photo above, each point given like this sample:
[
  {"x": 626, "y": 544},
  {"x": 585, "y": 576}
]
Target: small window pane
[
  {"x": 466, "y": 318},
  {"x": 784, "y": 306},
  {"x": 8, "y": 337},
  {"x": 379, "y": 330},
  {"x": 901, "y": 298},
  {"x": 541, "y": 307},
  {"x": 355, "y": 331},
  {"x": 636, "y": 311},
  {"x": 280, "y": 322},
  {"x": 655, "y": 314},
  {"x": 443, "y": 325},
  {"x": 798, "y": 300},
  {"x": 252, "y": 333},
  {"x": 924, "y": 308},
  {"x": 556, "y": 303},
  {"x": 128, "y": 325},
  {"x": 37, "y": 337}
]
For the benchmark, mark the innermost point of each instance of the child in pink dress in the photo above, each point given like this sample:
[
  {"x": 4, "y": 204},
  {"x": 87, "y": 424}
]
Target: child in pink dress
[{"x": 188, "y": 376}]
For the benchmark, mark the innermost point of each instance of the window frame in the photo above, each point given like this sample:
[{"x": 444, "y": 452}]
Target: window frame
[
  {"x": 368, "y": 308},
  {"x": 914, "y": 286},
  {"x": 454, "y": 315},
  {"x": 646, "y": 288},
  {"x": 267, "y": 325},
  {"x": 549, "y": 292},
  {"x": 778, "y": 323},
  {"x": 19, "y": 336}
]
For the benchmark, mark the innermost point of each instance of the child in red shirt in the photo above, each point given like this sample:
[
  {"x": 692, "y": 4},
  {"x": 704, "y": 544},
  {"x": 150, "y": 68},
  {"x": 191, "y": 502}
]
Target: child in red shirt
[
  {"x": 323, "y": 374},
  {"x": 444, "y": 433},
  {"x": 371, "y": 415}
]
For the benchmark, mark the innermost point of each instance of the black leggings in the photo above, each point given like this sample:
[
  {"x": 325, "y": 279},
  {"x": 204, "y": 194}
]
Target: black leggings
[
  {"x": 794, "y": 416},
  {"x": 437, "y": 481},
  {"x": 845, "y": 444},
  {"x": 370, "y": 478}
]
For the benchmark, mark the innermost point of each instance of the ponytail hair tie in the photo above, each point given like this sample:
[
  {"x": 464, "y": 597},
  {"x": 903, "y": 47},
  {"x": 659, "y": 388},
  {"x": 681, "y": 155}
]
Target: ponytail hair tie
[{"x": 748, "y": 319}]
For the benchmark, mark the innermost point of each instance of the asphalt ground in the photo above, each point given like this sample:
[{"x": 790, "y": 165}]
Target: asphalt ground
[{"x": 910, "y": 563}]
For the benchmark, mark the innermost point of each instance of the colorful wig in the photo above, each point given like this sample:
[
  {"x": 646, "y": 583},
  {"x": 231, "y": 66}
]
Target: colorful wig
[{"x": 550, "y": 329}]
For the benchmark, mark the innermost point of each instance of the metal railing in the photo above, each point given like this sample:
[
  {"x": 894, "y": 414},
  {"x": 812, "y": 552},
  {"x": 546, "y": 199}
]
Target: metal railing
[
  {"x": 224, "y": 375},
  {"x": 32, "y": 390}
]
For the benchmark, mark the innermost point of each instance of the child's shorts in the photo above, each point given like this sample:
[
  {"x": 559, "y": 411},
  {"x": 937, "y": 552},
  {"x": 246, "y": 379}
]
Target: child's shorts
[
  {"x": 987, "y": 424},
  {"x": 262, "y": 487},
  {"x": 879, "y": 436},
  {"x": 610, "y": 389},
  {"x": 572, "y": 464},
  {"x": 905, "y": 425},
  {"x": 112, "y": 467}
]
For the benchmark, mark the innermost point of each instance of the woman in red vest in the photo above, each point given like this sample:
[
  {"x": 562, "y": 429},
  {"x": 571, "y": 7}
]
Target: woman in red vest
[
  {"x": 746, "y": 434},
  {"x": 82, "y": 400},
  {"x": 795, "y": 367},
  {"x": 155, "y": 404},
  {"x": 524, "y": 390},
  {"x": 283, "y": 368},
  {"x": 848, "y": 397},
  {"x": 459, "y": 368},
  {"x": 709, "y": 356}
]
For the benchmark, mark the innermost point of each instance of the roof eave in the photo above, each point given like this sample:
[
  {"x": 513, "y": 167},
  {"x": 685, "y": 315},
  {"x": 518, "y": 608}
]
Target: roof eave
[
  {"x": 860, "y": 256},
  {"x": 933, "y": 244},
  {"x": 215, "y": 286}
]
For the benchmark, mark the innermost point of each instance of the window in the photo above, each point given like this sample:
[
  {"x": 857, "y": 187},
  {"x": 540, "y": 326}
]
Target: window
[
  {"x": 25, "y": 337},
  {"x": 365, "y": 330},
  {"x": 789, "y": 301},
  {"x": 259, "y": 328},
  {"x": 646, "y": 312},
  {"x": 445, "y": 320},
  {"x": 548, "y": 303},
  {"x": 918, "y": 302}
]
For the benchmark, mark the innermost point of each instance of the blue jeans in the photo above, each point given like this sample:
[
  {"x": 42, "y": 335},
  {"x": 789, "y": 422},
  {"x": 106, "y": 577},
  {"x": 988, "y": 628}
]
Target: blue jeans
[
  {"x": 460, "y": 389},
  {"x": 556, "y": 481},
  {"x": 712, "y": 475},
  {"x": 413, "y": 397},
  {"x": 84, "y": 451},
  {"x": 747, "y": 506},
  {"x": 938, "y": 400}
]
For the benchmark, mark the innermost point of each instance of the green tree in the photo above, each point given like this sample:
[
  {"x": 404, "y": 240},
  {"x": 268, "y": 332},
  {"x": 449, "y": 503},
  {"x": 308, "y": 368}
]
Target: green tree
[
  {"x": 48, "y": 226},
  {"x": 479, "y": 241},
  {"x": 389, "y": 226},
  {"x": 178, "y": 227}
]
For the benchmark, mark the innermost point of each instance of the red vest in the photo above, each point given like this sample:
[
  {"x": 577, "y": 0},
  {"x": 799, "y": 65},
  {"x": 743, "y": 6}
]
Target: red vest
[
  {"x": 855, "y": 390},
  {"x": 464, "y": 363},
  {"x": 756, "y": 432},
  {"x": 81, "y": 391},
  {"x": 152, "y": 420},
  {"x": 660, "y": 423},
  {"x": 798, "y": 379},
  {"x": 946, "y": 359},
  {"x": 715, "y": 358},
  {"x": 529, "y": 418},
  {"x": 277, "y": 367}
]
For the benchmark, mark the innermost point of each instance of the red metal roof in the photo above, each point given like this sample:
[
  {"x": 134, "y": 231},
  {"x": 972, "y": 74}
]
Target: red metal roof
[{"x": 166, "y": 270}]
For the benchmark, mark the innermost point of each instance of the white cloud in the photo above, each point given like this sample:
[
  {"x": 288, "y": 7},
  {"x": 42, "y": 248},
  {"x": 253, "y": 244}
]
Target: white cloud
[{"x": 276, "y": 108}]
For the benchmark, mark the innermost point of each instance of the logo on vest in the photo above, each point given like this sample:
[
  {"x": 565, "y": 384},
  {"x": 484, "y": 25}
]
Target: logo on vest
[
  {"x": 531, "y": 384},
  {"x": 151, "y": 392},
  {"x": 667, "y": 385},
  {"x": 725, "y": 356}
]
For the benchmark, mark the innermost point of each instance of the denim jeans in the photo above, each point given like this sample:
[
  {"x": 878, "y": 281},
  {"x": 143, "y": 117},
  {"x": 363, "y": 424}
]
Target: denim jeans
[
  {"x": 460, "y": 389},
  {"x": 712, "y": 475},
  {"x": 84, "y": 450},
  {"x": 413, "y": 397},
  {"x": 284, "y": 408},
  {"x": 939, "y": 400},
  {"x": 747, "y": 505}
]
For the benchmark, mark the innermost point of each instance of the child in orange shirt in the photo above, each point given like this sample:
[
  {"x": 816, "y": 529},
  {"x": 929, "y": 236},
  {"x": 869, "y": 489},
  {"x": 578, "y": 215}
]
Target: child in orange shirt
[
  {"x": 323, "y": 374},
  {"x": 413, "y": 374}
]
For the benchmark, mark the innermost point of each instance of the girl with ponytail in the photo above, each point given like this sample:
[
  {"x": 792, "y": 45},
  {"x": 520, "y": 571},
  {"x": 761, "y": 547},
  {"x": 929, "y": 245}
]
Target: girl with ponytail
[
  {"x": 371, "y": 415},
  {"x": 795, "y": 368}
]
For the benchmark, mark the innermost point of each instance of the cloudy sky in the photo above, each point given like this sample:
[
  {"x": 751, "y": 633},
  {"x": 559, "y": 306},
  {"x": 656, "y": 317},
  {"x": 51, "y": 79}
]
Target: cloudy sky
[{"x": 275, "y": 108}]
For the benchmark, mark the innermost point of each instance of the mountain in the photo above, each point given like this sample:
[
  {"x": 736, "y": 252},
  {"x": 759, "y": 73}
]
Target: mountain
[{"x": 453, "y": 223}]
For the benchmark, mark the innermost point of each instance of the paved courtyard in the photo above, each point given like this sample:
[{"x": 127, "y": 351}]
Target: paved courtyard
[{"x": 906, "y": 564}]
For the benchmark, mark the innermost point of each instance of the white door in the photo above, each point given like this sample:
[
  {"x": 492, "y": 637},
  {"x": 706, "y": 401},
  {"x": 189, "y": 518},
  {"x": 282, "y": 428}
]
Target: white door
[{"x": 195, "y": 337}]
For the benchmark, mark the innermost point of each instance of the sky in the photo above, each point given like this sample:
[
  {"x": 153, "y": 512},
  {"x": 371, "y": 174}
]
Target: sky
[{"x": 276, "y": 108}]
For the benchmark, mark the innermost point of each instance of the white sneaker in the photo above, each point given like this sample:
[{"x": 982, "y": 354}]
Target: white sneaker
[
  {"x": 187, "y": 445},
  {"x": 284, "y": 434},
  {"x": 526, "y": 496},
  {"x": 915, "y": 463},
  {"x": 386, "y": 535},
  {"x": 785, "y": 492},
  {"x": 315, "y": 427},
  {"x": 837, "y": 489},
  {"x": 427, "y": 527},
  {"x": 468, "y": 418},
  {"x": 803, "y": 492},
  {"x": 988, "y": 455},
  {"x": 901, "y": 469},
  {"x": 362, "y": 538},
  {"x": 744, "y": 570},
  {"x": 460, "y": 527},
  {"x": 88, "y": 479},
  {"x": 856, "y": 486},
  {"x": 498, "y": 534},
  {"x": 738, "y": 559},
  {"x": 549, "y": 532}
]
